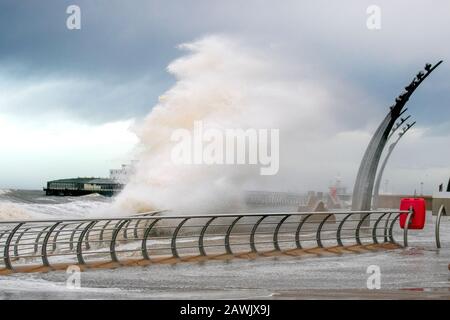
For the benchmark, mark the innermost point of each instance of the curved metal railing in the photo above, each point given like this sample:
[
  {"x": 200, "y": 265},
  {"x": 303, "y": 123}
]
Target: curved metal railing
[
  {"x": 153, "y": 236},
  {"x": 441, "y": 212}
]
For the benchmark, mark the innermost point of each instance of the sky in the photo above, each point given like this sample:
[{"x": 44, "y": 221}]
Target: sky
[{"x": 69, "y": 99}]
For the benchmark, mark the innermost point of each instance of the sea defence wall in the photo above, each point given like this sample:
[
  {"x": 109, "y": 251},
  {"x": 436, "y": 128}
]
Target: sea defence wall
[
  {"x": 392, "y": 200},
  {"x": 439, "y": 199}
]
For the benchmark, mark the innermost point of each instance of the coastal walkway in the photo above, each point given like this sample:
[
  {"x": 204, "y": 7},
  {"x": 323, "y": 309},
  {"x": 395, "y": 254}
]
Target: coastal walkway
[{"x": 159, "y": 237}]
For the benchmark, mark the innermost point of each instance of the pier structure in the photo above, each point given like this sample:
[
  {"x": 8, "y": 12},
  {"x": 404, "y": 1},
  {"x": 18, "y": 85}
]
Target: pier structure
[{"x": 83, "y": 186}]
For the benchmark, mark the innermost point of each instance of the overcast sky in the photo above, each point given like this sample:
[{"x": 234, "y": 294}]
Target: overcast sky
[{"x": 69, "y": 97}]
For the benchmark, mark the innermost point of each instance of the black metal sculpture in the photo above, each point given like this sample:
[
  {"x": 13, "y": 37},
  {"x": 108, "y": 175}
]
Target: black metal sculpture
[
  {"x": 376, "y": 190},
  {"x": 363, "y": 189}
]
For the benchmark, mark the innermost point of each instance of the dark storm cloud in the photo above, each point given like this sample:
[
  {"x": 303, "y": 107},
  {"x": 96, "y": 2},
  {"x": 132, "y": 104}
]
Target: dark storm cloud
[
  {"x": 104, "y": 58},
  {"x": 114, "y": 67},
  {"x": 34, "y": 33}
]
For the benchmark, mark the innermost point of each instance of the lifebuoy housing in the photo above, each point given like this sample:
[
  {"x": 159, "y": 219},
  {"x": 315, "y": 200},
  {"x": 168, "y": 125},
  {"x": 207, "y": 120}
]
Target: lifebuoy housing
[{"x": 417, "y": 220}]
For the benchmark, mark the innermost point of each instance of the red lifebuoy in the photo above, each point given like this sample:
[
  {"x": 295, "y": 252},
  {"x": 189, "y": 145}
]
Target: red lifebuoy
[{"x": 417, "y": 220}]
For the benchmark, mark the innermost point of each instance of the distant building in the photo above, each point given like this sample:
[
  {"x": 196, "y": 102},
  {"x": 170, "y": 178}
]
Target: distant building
[
  {"x": 442, "y": 197},
  {"x": 338, "y": 191},
  {"x": 123, "y": 174},
  {"x": 274, "y": 198}
]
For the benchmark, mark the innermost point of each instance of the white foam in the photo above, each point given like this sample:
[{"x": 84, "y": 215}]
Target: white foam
[
  {"x": 29, "y": 283},
  {"x": 82, "y": 207},
  {"x": 12, "y": 211},
  {"x": 228, "y": 85},
  {"x": 4, "y": 191}
]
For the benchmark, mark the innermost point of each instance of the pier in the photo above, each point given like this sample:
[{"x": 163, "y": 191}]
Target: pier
[{"x": 82, "y": 186}]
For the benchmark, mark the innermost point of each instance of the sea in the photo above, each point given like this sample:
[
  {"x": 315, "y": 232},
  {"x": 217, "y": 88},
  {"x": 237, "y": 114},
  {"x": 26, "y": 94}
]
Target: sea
[
  {"x": 417, "y": 272},
  {"x": 34, "y": 204}
]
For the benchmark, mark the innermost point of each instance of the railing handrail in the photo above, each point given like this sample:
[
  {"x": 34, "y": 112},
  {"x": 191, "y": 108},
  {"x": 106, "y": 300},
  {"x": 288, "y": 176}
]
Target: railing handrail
[
  {"x": 442, "y": 211},
  {"x": 197, "y": 216},
  {"x": 21, "y": 240}
]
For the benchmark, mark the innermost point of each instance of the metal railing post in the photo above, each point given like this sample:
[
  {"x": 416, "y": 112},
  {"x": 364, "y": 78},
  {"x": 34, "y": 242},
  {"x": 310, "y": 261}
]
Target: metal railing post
[
  {"x": 319, "y": 230},
  {"x": 252, "y": 234},
  {"x": 125, "y": 230},
  {"x": 16, "y": 243},
  {"x": 44, "y": 244},
  {"x": 227, "y": 236},
  {"x": 277, "y": 230},
  {"x": 438, "y": 224},
  {"x": 72, "y": 235},
  {"x": 358, "y": 228},
  {"x": 299, "y": 229},
  {"x": 55, "y": 238},
  {"x": 36, "y": 245},
  {"x": 86, "y": 243},
  {"x": 144, "y": 239},
  {"x": 406, "y": 227},
  {"x": 386, "y": 227},
  {"x": 80, "y": 242},
  {"x": 112, "y": 246},
  {"x": 339, "y": 229},
  {"x": 174, "y": 238},
  {"x": 6, "y": 258},
  {"x": 375, "y": 226},
  {"x": 103, "y": 229},
  {"x": 202, "y": 235},
  {"x": 391, "y": 229},
  {"x": 135, "y": 229}
]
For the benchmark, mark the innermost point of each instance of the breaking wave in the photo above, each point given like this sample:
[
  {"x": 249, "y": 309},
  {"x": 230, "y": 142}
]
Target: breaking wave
[
  {"x": 20, "y": 204},
  {"x": 224, "y": 83},
  {"x": 11, "y": 211},
  {"x": 4, "y": 191}
]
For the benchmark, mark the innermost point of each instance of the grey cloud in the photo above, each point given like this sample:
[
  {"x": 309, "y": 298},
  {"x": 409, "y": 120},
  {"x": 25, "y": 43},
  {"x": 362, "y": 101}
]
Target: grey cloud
[{"x": 130, "y": 44}]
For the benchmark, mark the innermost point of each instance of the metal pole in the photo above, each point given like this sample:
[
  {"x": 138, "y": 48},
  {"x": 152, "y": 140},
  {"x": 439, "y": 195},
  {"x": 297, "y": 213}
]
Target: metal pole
[
  {"x": 174, "y": 238},
  {"x": 438, "y": 224},
  {"x": 44, "y": 244},
  {"x": 376, "y": 189},
  {"x": 252, "y": 234},
  {"x": 275, "y": 234},
  {"x": 144, "y": 239},
  {"x": 375, "y": 226},
  {"x": 406, "y": 227},
  {"x": 80, "y": 242},
  {"x": 299, "y": 228},
  {"x": 6, "y": 258},
  {"x": 112, "y": 245},
  {"x": 227, "y": 236},
  {"x": 319, "y": 230},
  {"x": 202, "y": 235}
]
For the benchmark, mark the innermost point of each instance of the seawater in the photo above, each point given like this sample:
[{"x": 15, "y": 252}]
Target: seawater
[{"x": 34, "y": 204}]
